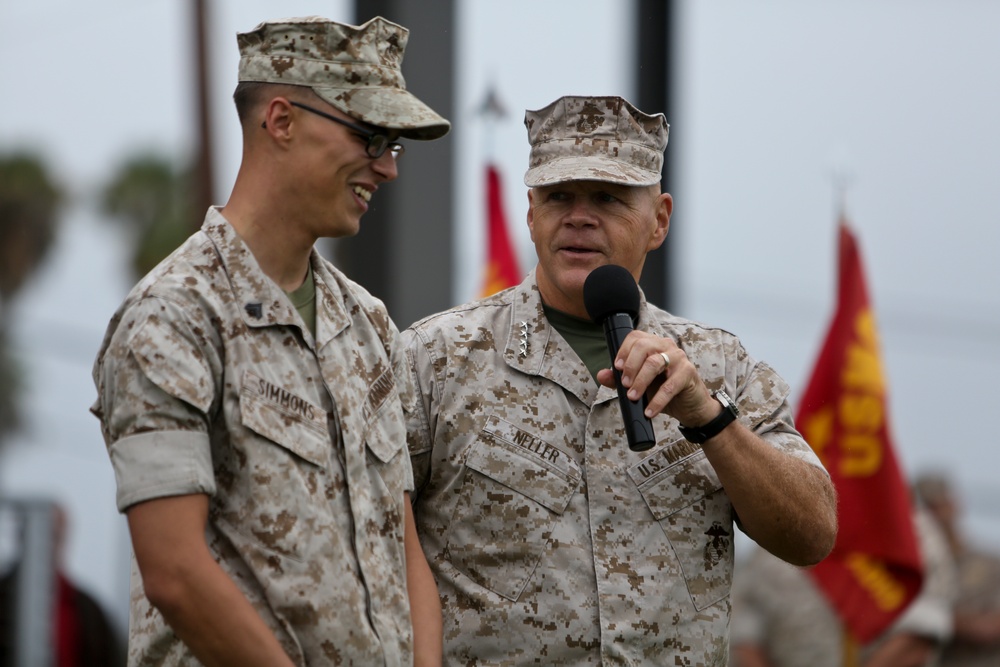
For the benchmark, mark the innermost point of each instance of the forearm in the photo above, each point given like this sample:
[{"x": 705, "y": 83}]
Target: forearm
[
  {"x": 213, "y": 617},
  {"x": 425, "y": 605},
  {"x": 785, "y": 504},
  {"x": 199, "y": 601}
]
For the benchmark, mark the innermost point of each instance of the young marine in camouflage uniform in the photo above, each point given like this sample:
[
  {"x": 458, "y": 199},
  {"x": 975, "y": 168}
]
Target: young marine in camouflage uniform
[
  {"x": 251, "y": 396},
  {"x": 551, "y": 541}
]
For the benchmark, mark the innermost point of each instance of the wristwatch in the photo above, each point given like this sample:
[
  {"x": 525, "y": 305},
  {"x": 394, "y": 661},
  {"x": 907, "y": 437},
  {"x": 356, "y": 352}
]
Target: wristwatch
[{"x": 699, "y": 434}]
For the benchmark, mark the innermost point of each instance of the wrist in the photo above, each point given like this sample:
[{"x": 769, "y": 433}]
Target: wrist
[{"x": 726, "y": 416}]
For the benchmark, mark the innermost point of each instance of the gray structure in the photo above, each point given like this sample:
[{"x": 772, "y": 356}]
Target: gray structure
[
  {"x": 403, "y": 252},
  {"x": 654, "y": 20},
  {"x": 34, "y": 583}
]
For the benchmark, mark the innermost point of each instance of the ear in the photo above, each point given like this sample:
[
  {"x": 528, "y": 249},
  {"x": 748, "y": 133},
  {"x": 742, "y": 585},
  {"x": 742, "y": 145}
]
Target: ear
[
  {"x": 531, "y": 216},
  {"x": 278, "y": 118},
  {"x": 664, "y": 205}
]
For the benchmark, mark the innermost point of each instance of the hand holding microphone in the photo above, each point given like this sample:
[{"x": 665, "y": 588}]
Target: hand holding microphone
[{"x": 612, "y": 298}]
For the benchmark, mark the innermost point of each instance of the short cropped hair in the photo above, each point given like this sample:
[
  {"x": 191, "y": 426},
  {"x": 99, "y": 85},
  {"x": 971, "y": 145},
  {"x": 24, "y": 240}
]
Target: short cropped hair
[{"x": 250, "y": 94}]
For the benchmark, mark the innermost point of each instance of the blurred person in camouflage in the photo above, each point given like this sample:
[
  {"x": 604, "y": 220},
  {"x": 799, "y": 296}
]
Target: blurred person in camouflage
[
  {"x": 553, "y": 542},
  {"x": 976, "y": 639},
  {"x": 251, "y": 395},
  {"x": 782, "y": 619}
]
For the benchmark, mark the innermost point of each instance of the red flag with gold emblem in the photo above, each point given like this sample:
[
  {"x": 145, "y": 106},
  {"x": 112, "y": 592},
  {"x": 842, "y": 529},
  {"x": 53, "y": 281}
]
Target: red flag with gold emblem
[
  {"x": 501, "y": 261},
  {"x": 875, "y": 569}
]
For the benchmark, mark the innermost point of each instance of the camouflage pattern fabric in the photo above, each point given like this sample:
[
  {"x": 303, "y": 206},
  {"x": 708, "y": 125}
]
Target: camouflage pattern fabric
[
  {"x": 355, "y": 68},
  {"x": 209, "y": 382},
  {"x": 595, "y": 139},
  {"x": 552, "y": 543},
  {"x": 777, "y": 607},
  {"x": 978, "y": 592}
]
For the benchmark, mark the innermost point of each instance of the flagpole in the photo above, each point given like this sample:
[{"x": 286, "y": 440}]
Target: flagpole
[
  {"x": 850, "y": 649},
  {"x": 842, "y": 178},
  {"x": 500, "y": 270},
  {"x": 492, "y": 111}
]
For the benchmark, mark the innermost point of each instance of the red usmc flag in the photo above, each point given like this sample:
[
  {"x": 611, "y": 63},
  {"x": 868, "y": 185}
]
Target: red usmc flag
[
  {"x": 501, "y": 261},
  {"x": 875, "y": 568}
]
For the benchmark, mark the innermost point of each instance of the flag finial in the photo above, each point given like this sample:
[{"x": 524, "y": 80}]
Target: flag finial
[{"x": 492, "y": 107}]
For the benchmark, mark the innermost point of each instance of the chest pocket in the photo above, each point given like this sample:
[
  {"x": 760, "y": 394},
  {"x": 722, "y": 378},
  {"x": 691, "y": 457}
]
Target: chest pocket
[
  {"x": 690, "y": 505},
  {"x": 509, "y": 498},
  {"x": 297, "y": 426},
  {"x": 282, "y": 471}
]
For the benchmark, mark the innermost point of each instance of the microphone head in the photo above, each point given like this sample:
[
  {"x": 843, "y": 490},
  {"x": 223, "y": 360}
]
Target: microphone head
[{"x": 610, "y": 289}]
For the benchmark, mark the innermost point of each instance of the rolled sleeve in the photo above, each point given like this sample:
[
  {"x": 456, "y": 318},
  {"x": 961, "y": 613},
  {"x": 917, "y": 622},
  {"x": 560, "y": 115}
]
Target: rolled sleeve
[
  {"x": 161, "y": 463},
  {"x": 156, "y": 381}
]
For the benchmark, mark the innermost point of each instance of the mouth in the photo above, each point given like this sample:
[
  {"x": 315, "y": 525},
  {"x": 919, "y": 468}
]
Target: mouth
[
  {"x": 578, "y": 251},
  {"x": 363, "y": 192}
]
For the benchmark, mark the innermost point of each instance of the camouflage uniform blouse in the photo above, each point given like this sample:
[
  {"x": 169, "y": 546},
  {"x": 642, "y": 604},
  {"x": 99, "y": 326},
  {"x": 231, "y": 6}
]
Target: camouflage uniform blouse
[
  {"x": 553, "y": 543},
  {"x": 209, "y": 382}
]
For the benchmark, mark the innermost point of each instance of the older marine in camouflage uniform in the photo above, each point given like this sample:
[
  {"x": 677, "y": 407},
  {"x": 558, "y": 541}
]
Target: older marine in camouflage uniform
[
  {"x": 551, "y": 541},
  {"x": 255, "y": 422}
]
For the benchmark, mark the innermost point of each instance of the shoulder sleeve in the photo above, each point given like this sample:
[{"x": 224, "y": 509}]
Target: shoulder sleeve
[
  {"x": 763, "y": 402},
  {"x": 156, "y": 382}
]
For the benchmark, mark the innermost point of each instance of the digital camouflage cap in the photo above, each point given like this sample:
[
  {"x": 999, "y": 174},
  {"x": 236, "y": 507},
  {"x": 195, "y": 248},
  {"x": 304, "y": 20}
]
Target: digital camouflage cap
[
  {"x": 594, "y": 139},
  {"x": 354, "y": 68}
]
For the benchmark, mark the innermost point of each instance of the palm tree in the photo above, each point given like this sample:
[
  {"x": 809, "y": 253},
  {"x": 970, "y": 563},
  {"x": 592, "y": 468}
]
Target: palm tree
[
  {"x": 154, "y": 199},
  {"x": 29, "y": 203}
]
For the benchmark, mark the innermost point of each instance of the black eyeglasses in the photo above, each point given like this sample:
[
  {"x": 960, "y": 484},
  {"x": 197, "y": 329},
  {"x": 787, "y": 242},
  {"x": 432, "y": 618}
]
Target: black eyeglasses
[{"x": 378, "y": 144}]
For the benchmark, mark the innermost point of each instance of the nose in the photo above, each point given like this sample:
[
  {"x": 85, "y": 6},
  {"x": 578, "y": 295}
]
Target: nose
[
  {"x": 385, "y": 166},
  {"x": 580, "y": 213}
]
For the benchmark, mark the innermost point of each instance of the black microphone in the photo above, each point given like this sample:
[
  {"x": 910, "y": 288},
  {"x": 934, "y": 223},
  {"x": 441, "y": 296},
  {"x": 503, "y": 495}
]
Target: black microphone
[{"x": 612, "y": 297}]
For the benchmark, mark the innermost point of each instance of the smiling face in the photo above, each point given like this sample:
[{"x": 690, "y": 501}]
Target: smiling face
[
  {"x": 578, "y": 226},
  {"x": 335, "y": 178}
]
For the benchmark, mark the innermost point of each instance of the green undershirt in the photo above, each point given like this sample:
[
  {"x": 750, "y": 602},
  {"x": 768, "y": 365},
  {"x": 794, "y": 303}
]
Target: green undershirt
[
  {"x": 586, "y": 338},
  {"x": 304, "y": 300}
]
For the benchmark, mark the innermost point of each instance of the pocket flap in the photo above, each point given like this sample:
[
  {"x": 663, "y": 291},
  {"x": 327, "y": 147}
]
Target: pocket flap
[
  {"x": 669, "y": 485},
  {"x": 292, "y": 430},
  {"x": 547, "y": 476}
]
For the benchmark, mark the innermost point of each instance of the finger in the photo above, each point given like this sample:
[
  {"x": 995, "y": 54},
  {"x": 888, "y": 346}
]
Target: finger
[
  {"x": 606, "y": 377},
  {"x": 661, "y": 397},
  {"x": 631, "y": 340},
  {"x": 649, "y": 374},
  {"x": 633, "y": 353}
]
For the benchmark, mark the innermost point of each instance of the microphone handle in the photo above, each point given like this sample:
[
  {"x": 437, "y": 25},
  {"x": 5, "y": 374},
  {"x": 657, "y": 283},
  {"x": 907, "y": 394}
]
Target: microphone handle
[{"x": 638, "y": 427}]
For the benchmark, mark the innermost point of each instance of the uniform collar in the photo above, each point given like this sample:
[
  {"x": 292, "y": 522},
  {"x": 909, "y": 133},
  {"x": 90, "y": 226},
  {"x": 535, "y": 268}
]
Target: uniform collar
[
  {"x": 536, "y": 348},
  {"x": 261, "y": 301}
]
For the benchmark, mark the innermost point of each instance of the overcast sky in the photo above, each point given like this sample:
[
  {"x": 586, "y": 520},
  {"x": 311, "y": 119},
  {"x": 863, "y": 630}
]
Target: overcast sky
[{"x": 774, "y": 98}]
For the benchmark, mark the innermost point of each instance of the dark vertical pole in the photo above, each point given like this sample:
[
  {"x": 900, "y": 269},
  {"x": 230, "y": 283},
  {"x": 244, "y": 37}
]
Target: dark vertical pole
[
  {"x": 34, "y": 586},
  {"x": 654, "y": 28},
  {"x": 403, "y": 253},
  {"x": 203, "y": 181}
]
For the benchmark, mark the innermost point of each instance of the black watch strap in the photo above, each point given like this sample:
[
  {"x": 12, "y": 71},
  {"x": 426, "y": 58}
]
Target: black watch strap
[{"x": 699, "y": 434}]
